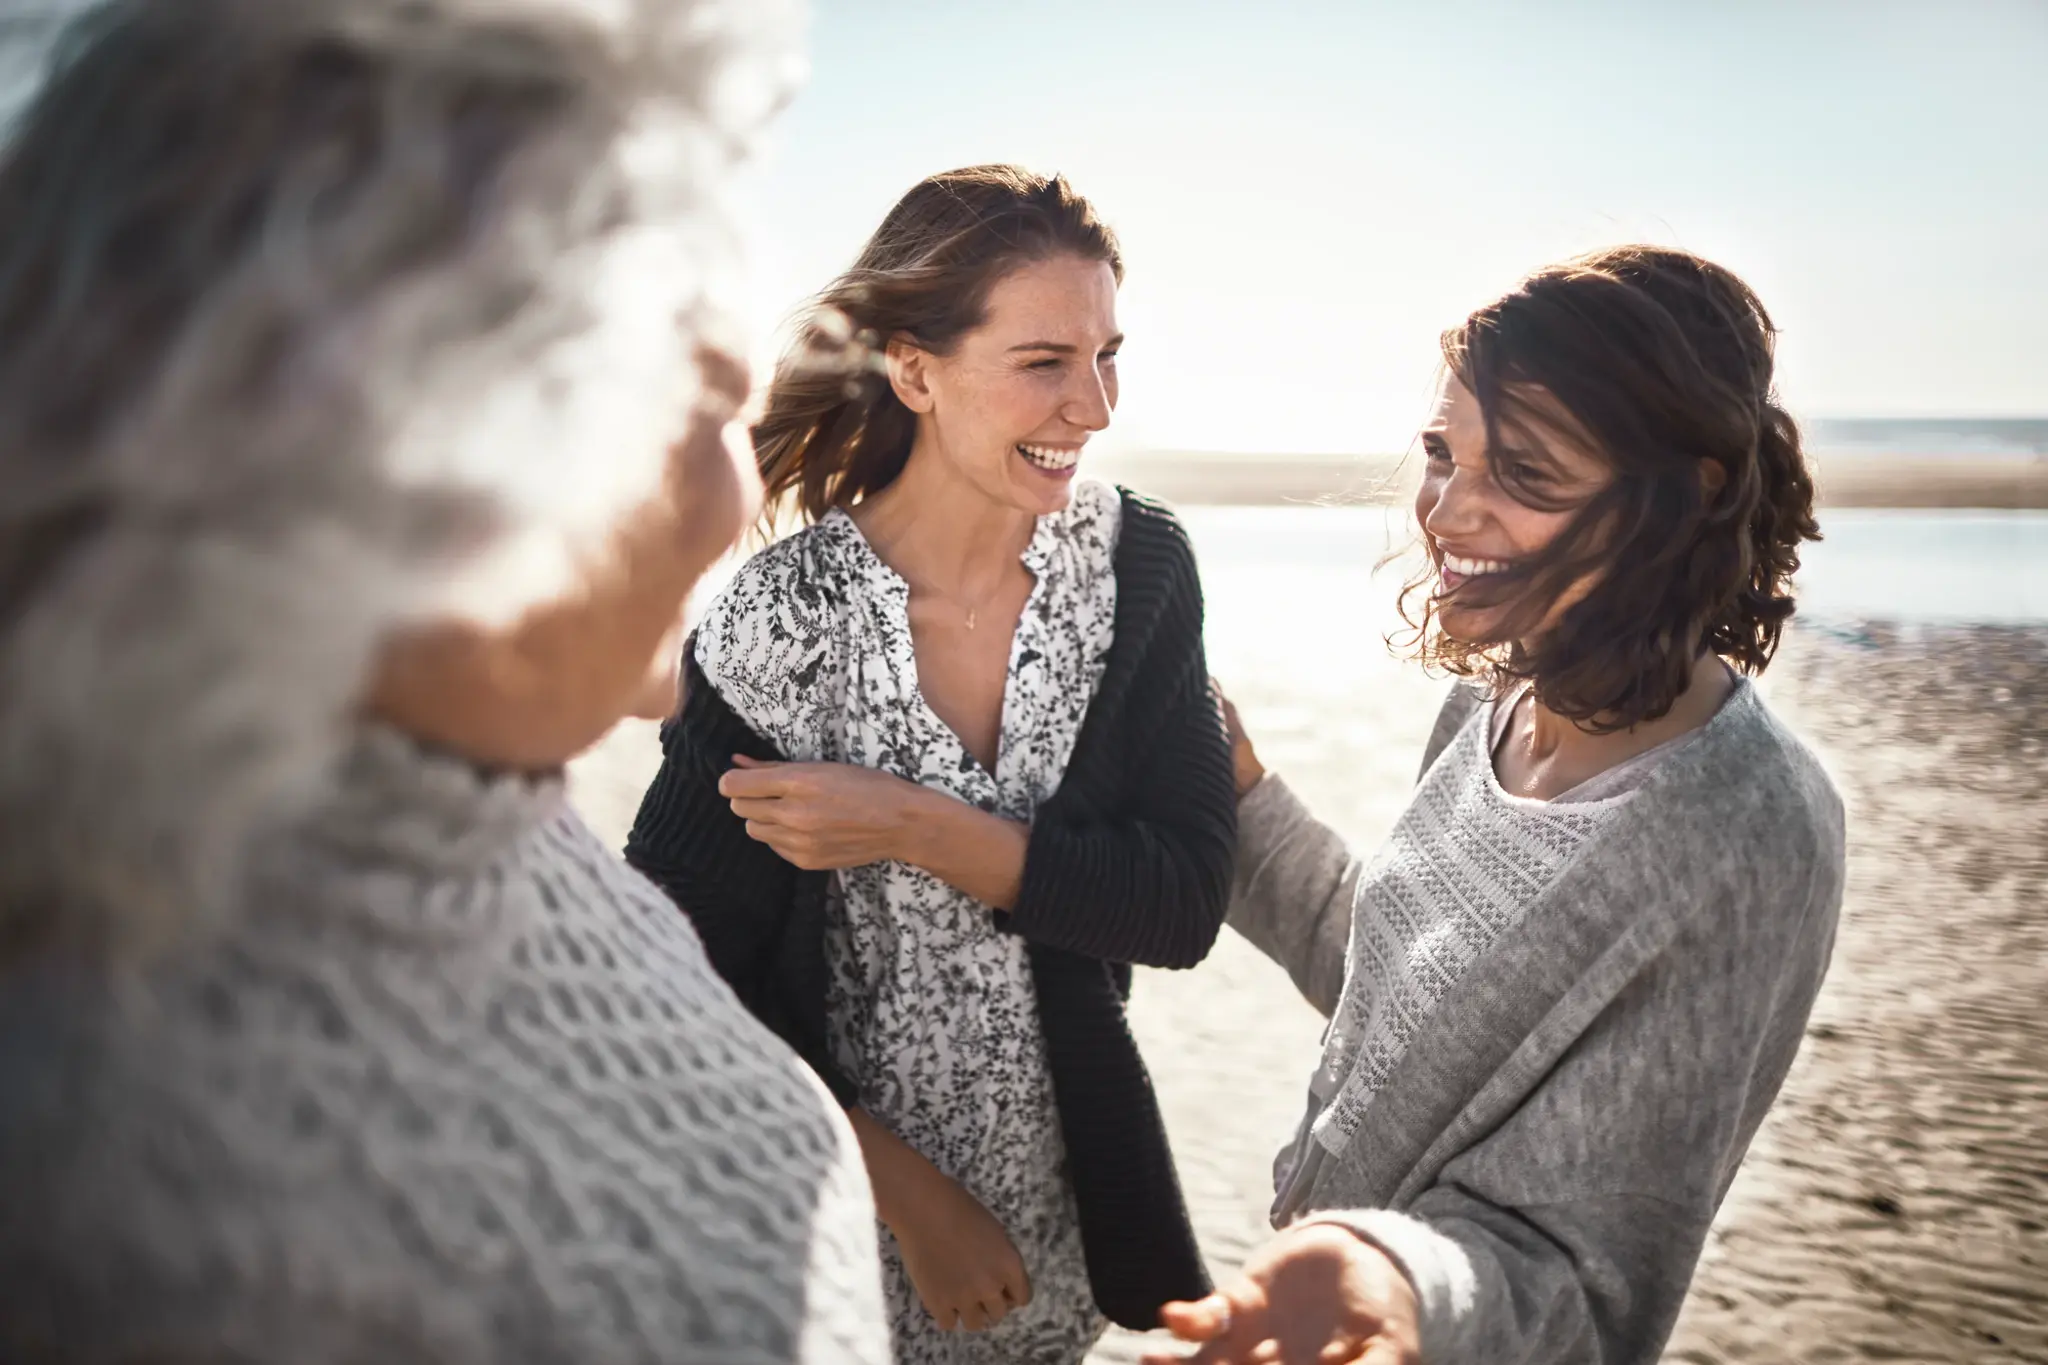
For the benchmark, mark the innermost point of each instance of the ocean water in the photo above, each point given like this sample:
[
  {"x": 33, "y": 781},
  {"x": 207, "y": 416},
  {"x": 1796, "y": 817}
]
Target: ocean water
[
  {"x": 1962, "y": 436},
  {"x": 1314, "y": 566}
]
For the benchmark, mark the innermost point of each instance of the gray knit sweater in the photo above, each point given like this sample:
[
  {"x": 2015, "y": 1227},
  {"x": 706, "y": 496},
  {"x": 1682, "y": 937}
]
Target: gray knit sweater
[
  {"x": 1556, "y": 1030},
  {"x": 459, "y": 1087}
]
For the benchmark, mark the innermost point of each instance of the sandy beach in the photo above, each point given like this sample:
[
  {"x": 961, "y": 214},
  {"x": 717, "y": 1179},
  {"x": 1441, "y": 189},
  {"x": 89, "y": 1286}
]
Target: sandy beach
[{"x": 1896, "y": 1204}]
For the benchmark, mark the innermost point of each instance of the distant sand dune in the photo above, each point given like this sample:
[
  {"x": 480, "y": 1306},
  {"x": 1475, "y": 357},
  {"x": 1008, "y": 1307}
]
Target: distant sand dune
[{"x": 1846, "y": 480}]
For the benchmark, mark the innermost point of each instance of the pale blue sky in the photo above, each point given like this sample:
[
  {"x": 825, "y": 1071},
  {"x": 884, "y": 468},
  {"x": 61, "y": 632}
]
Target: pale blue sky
[{"x": 1308, "y": 191}]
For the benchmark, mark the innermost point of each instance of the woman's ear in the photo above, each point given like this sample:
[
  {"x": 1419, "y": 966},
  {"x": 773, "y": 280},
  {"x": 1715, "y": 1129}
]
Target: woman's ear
[
  {"x": 909, "y": 373},
  {"x": 1713, "y": 478}
]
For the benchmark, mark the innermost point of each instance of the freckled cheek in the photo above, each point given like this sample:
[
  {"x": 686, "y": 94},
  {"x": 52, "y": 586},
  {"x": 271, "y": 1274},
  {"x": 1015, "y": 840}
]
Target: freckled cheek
[
  {"x": 1532, "y": 532},
  {"x": 1023, "y": 409},
  {"x": 977, "y": 417}
]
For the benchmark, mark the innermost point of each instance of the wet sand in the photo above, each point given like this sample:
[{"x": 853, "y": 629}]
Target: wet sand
[{"x": 1895, "y": 1206}]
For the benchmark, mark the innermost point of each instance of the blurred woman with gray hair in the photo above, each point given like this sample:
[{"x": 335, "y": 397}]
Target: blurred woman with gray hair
[{"x": 351, "y": 479}]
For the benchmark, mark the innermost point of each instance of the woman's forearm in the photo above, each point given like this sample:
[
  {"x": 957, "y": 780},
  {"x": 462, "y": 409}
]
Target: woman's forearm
[
  {"x": 896, "y": 1170},
  {"x": 1294, "y": 886},
  {"x": 966, "y": 848}
]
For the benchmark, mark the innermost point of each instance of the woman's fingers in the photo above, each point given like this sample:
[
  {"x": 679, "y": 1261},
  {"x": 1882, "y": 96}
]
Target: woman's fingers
[
  {"x": 1201, "y": 1320},
  {"x": 761, "y": 780},
  {"x": 1382, "y": 1350},
  {"x": 726, "y": 378},
  {"x": 1230, "y": 1325}
]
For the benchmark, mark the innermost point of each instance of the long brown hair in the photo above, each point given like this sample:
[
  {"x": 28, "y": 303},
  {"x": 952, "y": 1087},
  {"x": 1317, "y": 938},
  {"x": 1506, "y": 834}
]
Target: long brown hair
[
  {"x": 1663, "y": 363},
  {"x": 834, "y": 431}
]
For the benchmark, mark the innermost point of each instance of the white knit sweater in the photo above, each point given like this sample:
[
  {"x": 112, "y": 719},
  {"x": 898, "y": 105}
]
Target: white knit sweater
[{"x": 460, "y": 1087}]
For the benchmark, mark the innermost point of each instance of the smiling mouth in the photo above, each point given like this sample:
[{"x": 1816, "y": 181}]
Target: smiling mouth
[
  {"x": 1052, "y": 459},
  {"x": 1460, "y": 567}
]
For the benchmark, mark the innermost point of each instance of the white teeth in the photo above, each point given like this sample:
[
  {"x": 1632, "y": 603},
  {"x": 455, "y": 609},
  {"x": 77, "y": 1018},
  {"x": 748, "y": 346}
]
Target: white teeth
[
  {"x": 1050, "y": 457},
  {"x": 1473, "y": 568}
]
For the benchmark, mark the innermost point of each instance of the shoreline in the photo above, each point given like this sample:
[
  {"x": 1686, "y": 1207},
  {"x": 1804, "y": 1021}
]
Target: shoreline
[{"x": 1906, "y": 482}]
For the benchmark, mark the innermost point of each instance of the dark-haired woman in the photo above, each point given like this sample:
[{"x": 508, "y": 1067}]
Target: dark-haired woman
[
  {"x": 1567, "y": 988},
  {"x": 975, "y": 771}
]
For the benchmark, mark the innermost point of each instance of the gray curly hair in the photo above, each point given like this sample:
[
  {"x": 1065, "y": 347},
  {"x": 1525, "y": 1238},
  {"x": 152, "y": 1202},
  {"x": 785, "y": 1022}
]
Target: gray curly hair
[{"x": 318, "y": 319}]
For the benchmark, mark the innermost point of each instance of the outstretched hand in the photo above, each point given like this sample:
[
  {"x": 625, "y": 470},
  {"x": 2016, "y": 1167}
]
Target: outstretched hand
[
  {"x": 1314, "y": 1295},
  {"x": 822, "y": 816}
]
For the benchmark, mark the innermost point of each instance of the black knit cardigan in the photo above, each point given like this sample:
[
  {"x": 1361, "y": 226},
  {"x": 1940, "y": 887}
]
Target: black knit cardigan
[{"x": 1128, "y": 862}]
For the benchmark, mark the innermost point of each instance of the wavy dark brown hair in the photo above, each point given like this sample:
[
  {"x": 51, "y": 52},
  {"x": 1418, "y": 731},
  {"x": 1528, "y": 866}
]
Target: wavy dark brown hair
[
  {"x": 833, "y": 431},
  {"x": 1662, "y": 364}
]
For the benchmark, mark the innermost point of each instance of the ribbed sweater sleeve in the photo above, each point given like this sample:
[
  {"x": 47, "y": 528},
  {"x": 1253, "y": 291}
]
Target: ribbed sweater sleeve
[{"x": 1130, "y": 861}]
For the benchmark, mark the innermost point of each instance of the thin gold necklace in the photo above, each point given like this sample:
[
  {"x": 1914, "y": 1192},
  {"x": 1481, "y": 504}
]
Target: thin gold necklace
[{"x": 972, "y": 613}]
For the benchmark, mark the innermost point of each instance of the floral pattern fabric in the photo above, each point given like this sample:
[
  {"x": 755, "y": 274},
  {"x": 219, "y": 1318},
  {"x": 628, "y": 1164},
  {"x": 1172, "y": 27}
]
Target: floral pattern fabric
[{"x": 931, "y": 1009}]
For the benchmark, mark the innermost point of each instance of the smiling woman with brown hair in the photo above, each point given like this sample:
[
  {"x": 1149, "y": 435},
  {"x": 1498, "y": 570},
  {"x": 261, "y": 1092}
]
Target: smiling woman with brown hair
[
  {"x": 1567, "y": 988},
  {"x": 979, "y": 772}
]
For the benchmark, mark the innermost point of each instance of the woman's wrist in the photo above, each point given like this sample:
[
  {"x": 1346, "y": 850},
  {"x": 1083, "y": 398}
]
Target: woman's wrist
[
  {"x": 894, "y": 1166},
  {"x": 921, "y": 817},
  {"x": 962, "y": 845},
  {"x": 1246, "y": 771}
]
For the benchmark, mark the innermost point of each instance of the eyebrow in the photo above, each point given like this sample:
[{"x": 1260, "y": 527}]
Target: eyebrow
[{"x": 1061, "y": 347}]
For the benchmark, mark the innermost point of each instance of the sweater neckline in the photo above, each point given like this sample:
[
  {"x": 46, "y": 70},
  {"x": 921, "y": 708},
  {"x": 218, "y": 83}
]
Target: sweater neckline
[
  {"x": 393, "y": 802},
  {"x": 1484, "y": 723}
]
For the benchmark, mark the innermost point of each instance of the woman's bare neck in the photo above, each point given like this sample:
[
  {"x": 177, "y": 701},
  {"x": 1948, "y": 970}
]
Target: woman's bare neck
[
  {"x": 1544, "y": 755},
  {"x": 935, "y": 528}
]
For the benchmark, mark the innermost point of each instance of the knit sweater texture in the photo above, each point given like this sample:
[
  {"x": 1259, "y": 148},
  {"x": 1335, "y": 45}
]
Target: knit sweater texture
[
  {"x": 1129, "y": 862},
  {"x": 458, "y": 1087},
  {"x": 1538, "y": 1091}
]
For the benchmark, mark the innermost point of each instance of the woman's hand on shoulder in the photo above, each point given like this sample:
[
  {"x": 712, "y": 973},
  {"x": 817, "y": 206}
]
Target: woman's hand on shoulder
[
  {"x": 823, "y": 816},
  {"x": 1316, "y": 1293},
  {"x": 1245, "y": 768}
]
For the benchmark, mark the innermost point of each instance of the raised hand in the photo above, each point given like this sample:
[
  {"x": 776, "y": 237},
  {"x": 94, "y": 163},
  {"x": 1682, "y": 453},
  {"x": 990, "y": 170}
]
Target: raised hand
[{"x": 714, "y": 453}]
